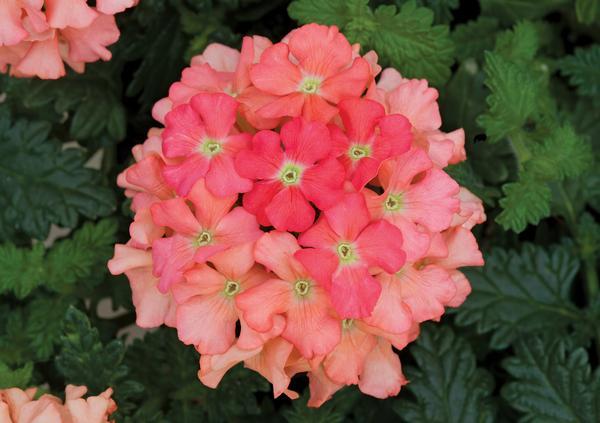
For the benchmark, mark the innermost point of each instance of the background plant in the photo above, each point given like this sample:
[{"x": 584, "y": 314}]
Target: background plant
[{"x": 521, "y": 76}]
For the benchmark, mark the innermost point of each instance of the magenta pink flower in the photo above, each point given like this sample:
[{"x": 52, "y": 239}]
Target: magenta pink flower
[
  {"x": 201, "y": 134},
  {"x": 345, "y": 244},
  {"x": 288, "y": 178},
  {"x": 369, "y": 137},
  {"x": 309, "y": 74},
  {"x": 199, "y": 235}
]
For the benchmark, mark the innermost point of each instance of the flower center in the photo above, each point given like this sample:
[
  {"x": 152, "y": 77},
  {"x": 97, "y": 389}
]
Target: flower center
[
  {"x": 231, "y": 288},
  {"x": 290, "y": 174},
  {"x": 302, "y": 287},
  {"x": 345, "y": 252},
  {"x": 204, "y": 238},
  {"x": 347, "y": 323},
  {"x": 211, "y": 147},
  {"x": 310, "y": 85},
  {"x": 358, "y": 151},
  {"x": 393, "y": 202}
]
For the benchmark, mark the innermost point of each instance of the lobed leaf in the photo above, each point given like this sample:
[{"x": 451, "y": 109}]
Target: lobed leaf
[{"x": 521, "y": 292}]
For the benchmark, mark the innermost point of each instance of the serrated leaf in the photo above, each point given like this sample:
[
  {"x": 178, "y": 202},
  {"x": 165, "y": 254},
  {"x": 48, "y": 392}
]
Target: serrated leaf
[
  {"x": 81, "y": 258},
  {"x": 446, "y": 383},
  {"x": 515, "y": 10},
  {"x": 334, "y": 12},
  {"x": 513, "y": 98},
  {"x": 526, "y": 202},
  {"x": 561, "y": 154},
  {"x": 15, "y": 378},
  {"x": 85, "y": 360},
  {"x": 466, "y": 177},
  {"x": 42, "y": 183},
  {"x": 519, "y": 44},
  {"x": 44, "y": 324},
  {"x": 474, "y": 37},
  {"x": 582, "y": 70},
  {"x": 552, "y": 383},
  {"x": 521, "y": 292},
  {"x": 91, "y": 100},
  {"x": 409, "y": 41},
  {"x": 405, "y": 38}
]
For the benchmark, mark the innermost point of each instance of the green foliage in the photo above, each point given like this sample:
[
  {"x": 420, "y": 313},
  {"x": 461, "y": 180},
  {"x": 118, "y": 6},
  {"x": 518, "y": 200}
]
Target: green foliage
[
  {"x": 520, "y": 76},
  {"x": 446, "y": 384},
  {"x": 521, "y": 292},
  {"x": 582, "y": 70},
  {"x": 58, "y": 268},
  {"x": 91, "y": 100},
  {"x": 41, "y": 183},
  {"x": 19, "y": 378},
  {"x": 552, "y": 382},
  {"x": 475, "y": 37},
  {"x": 405, "y": 38}
]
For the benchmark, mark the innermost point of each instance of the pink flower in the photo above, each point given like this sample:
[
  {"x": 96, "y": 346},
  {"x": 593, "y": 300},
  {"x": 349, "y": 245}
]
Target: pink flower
[
  {"x": 36, "y": 36},
  {"x": 18, "y": 406},
  {"x": 222, "y": 69},
  {"x": 418, "y": 102},
  {"x": 309, "y": 74},
  {"x": 311, "y": 324},
  {"x": 206, "y": 311},
  {"x": 416, "y": 196},
  {"x": 112, "y": 7},
  {"x": 202, "y": 134},
  {"x": 346, "y": 243},
  {"x": 152, "y": 307},
  {"x": 210, "y": 229},
  {"x": 288, "y": 179},
  {"x": 370, "y": 137}
]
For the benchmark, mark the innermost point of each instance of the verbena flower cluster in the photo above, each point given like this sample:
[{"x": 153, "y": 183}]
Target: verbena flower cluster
[
  {"x": 18, "y": 406},
  {"x": 294, "y": 215},
  {"x": 36, "y": 36}
]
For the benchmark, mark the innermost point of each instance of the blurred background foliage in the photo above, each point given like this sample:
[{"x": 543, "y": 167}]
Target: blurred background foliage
[{"x": 521, "y": 76}]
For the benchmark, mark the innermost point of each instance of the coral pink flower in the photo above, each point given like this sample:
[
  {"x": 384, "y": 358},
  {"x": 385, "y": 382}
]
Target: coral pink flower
[
  {"x": 321, "y": 387},
  {"x": 416, "y": 196},
  {"x": 269, "y": 359},
  {"x": 222, "y": 69},
  {"x": 206, "y": 311},
  {"x": 152, "y": 307},
  {"x": 288, "y": 179},
  {"x": 382, "y": 375},
  {"x": 370, "y": 137},
  {"x": 12, "y": 30},
  {"x": 471, "y": 211},
  {"x": 309, "y": 74},
  {"x": 415, "y": 292},
  {"x": 18, "y": 406},
  {"x": 346, "y": 243},
  {"x": 418, "y": 102},
  {"x": 197, "y": 236},
  {"x": 201, "y": 134},
  {"x": 112, "y": 7},
  {"x": 346, "y": 362},
  {"x": 311, "y": 324},
  {"x": 36, "y": 36}
]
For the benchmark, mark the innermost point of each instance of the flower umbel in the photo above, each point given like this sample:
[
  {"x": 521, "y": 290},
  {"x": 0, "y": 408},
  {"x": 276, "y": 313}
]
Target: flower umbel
[{"x": 286, "y": 219}]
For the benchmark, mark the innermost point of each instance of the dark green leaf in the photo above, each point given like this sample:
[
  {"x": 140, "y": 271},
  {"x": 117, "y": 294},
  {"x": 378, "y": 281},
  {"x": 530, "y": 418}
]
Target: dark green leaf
[
  {"x": 42, "y": 183},
  {"x": 526, "y": 202},
  {"x": 447, "y": 385},
  {"x": 582, "y": 70},
  {"x": 17, "y": 378},
  {"x": 552, "y": 383},
  {"x": 521, "y": 292}
]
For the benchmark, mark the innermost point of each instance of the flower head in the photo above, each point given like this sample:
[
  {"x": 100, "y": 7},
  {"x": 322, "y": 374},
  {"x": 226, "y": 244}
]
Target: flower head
[{"x": 362, "y": 234}]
